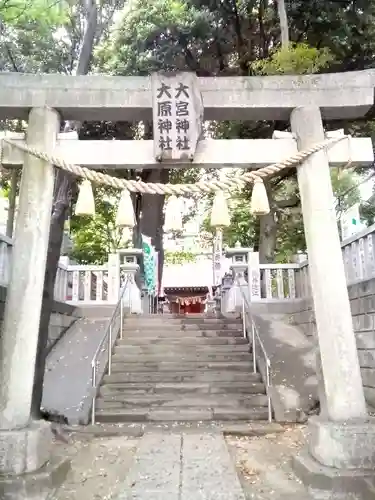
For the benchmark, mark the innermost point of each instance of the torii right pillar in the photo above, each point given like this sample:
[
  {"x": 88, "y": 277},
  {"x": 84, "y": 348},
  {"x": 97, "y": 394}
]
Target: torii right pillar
[{"x": 342, "y": 438}]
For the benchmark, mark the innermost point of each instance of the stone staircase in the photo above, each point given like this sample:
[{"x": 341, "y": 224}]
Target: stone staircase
[{"x": 183, "y": 369}]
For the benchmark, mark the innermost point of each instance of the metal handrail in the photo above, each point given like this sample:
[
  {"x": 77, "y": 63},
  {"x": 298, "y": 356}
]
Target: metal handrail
[
  {"x": 255, "y": 337},
  {"x": 108, "y": 336}
]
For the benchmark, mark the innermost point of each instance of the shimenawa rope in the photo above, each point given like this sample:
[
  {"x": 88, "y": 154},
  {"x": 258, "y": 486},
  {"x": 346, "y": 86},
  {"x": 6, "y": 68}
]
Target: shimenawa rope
[{"x": 176, "y": 189}]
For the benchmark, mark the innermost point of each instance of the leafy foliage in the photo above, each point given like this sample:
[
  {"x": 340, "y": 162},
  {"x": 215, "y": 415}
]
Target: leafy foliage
[
  {"x": 179, "y": 257},
  {"x": 95, "y": 237},
  {"x": 290, "y": 239},
  {"x": 31, "y": 41},
  {"x": 212, "y": 38},
  {"x": 297, "y": 59},
  {"x": 153, "y": 36}
]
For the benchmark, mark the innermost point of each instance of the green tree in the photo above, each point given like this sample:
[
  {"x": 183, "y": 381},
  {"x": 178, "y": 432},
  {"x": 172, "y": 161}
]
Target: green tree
[
  {"x": 296, "y": 59},
  {"x": 288, "y": 236},
  {"x": 221, "y": 38},
  {"x": 152, "y": 36},
  {"x": 52, "y": 37},
  {"x": 95, "y": 237},
  {"x": 209, "y": 37},
  {"x": 179, "y": 257}
]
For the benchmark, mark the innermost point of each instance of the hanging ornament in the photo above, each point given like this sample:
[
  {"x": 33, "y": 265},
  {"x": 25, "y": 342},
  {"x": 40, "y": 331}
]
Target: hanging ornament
[
  {"x": 173, "y": 215},
  {"x": 85, "y": 202},
  {"x": 125, "y": 216},
  {"x": 259, "y": 200},
  {"x": 220, "y": 213}
]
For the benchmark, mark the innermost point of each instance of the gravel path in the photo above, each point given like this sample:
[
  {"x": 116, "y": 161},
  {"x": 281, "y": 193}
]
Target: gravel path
[
  {"x": 264, "y": 464},
  {"x": 99, "y": 467},
  {"x": 183, "y": 465}
]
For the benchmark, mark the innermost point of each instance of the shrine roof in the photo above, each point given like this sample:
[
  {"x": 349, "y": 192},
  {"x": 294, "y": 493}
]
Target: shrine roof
[{"x": 100, "y": 97}]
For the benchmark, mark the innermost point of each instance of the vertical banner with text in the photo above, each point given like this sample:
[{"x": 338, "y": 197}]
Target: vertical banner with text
[
  {"x": 177, "y": 116},
  {"x": 254, "y": 275},
  {"x": 149, "y": 264}
]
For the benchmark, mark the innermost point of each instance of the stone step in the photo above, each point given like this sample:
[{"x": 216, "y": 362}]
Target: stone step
[
  {"x": 175, "y": 349},
  {"x": 370, "y": 484},
  {"x": 171, "y": 376},
  {"x": 141, "y": 340},
  {"x": 182, "y": 319},
  {"x": 180, "y": 415},
  {"x": 182, "y": 327},
  {"x": 253, "y": 385},
  {"x": 181, "y": 400},
  {"x": 122, "y": 356},
  {"x": 180, "y": 367},
  {"x": 175, "y": 333}
]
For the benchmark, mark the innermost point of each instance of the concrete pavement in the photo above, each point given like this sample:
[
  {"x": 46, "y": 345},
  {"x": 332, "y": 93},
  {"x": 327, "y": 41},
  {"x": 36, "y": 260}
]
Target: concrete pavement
[{"x": 182, "y": 466}]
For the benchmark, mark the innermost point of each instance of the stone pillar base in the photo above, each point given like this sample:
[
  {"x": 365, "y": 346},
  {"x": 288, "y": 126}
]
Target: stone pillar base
[
  {"x": 340, "y": 460},
  {"x": 39, "y": 485},
  {"x": 27, "y": 470},
  {"x": 25, "y": 450}
]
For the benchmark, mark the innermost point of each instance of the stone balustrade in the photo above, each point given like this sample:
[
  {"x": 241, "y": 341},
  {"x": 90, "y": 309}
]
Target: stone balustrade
[
  {"x": 75, "y": 284},
  {"x": 88, "y": 284},
  {"x": 358, "y": 254},
  {"x": 6, "y": 245},
  {"x": 279, "y": 281},
  {"x": 84, "y": 284}
]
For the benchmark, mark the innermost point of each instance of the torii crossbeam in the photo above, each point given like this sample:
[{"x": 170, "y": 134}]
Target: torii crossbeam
[
  {"x": 244, "y": 153},
  {"x": 338, "y": 95}
]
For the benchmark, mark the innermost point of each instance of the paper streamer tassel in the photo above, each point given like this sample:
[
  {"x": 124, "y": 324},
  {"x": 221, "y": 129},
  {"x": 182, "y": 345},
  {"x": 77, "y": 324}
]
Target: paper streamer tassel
[
  {"x": 85, "y": 202},
  {"x": 125, "y": 216},
  {"x": 259, "y": 200},
  {"x": 220, "y": 213},
  {"x": 173, "y": 215}
]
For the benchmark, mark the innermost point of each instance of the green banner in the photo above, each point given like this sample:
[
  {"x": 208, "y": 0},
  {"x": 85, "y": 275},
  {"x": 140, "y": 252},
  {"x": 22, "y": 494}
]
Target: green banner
[{"x": 149, "y": 264}]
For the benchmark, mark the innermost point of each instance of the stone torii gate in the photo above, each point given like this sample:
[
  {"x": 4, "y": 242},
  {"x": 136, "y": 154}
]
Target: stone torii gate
[{"x": 337, "y": 436}]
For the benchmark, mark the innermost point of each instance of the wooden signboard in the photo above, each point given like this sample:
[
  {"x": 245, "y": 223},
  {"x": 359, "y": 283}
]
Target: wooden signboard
[{"x": 177, "y": 116}]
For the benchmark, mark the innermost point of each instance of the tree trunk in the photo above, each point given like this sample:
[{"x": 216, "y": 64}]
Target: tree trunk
[
  {"x": 62, "y": 196},
  {"x": 152, "y": 216},
  {"x": 64, "y": 186},
  {"x": 284, "y": 28},
  {"x": 267, "y": 238},
  {"x": 267, "y": 243}
]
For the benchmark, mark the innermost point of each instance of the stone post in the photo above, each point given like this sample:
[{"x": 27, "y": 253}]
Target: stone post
[
  {"x": 130, "y": 269},
  {"x": 253, "y": 273},
  {"x": 25, "y": 445},
  {"x": 239, "y": 267},
  {"x": 24, "y": 296},
  {"x": 343, "y": 388},
  {"x": 113, "y": 278},
  {"x": 341, "y": 438},
  {"x": 128, "y": 258}
]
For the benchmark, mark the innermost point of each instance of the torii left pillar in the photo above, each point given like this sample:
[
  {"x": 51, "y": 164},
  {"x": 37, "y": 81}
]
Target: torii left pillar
[{"x": 25, "y": 444}]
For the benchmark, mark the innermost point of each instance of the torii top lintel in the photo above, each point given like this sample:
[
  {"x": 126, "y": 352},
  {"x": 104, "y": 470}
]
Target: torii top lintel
[{"x": 97, "y": 97}]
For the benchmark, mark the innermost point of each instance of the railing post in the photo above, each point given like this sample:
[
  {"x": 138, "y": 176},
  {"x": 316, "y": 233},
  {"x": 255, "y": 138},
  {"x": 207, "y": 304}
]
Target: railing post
[
  {"x": 121, "y": 317},
  {"x": 253, "y": 340},
  {"x": 268, "y": 382},
  {"x": 93, "y": 406},
  {"x": 110, "y": 350},
  {"x": 244, "y": 319}
]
